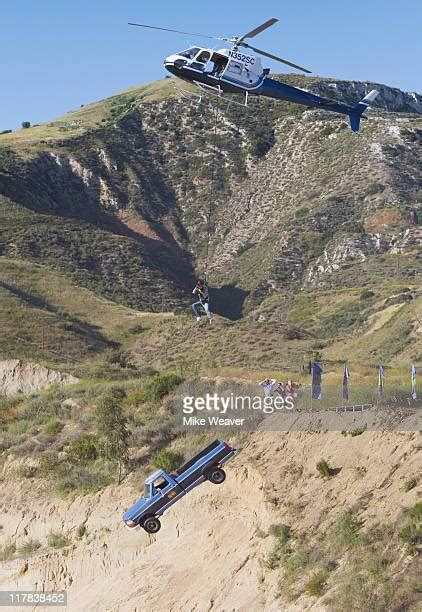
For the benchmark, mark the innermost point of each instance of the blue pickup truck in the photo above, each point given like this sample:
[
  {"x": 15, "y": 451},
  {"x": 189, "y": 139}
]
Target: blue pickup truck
[{"x": 162, "y": 490}]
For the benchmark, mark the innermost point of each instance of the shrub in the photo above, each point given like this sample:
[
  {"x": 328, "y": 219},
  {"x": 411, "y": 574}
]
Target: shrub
[
  {"x": 29, "y": 547},
  {"x": 83, "y": 482},
  {"x": 244, "y": 247},
  {"x": 301, "y": 212},
  {"x": 281, "y": 532},
  {"x": 6, "y": 132},
  {"x": 374, "y": 188},
  {"x": 84, "y": 449},
  {"x": 410, "y": 484},
  {"x": 411, "y": 534},
  {"x": 168, "y": 460},
  {"x": 357, "y": 432},
  {"x": 112, "y": 425},
  {"x": 346, "y": 529},
  {"x": 159, "y": 386},
  {"x": 272, "y": 561},
  {"x": 9, "y": 551},
  {"x": 81, "y": 531},
  {"x": 49, "y": 463},
  {"x": 316, "y": 585},
  {"x": 292, "y": 333},
  {"x": 295, "y": 561},
  {"x": 18, "y": 428},
  {"x": 53, "y": 427},
  {"x": 416, "y": 511},
  {"x": 366, "y": 294},
  {"x": 135, "y": 397},
  {"x": 121, "y": 358},
  {"x": 361, "y": 591},
  {"x": 26, "y": 124},
  {"x": 57, "y": 540},
  {"x": 26, "y": 471},
  {"x": 323, "y": 468}
]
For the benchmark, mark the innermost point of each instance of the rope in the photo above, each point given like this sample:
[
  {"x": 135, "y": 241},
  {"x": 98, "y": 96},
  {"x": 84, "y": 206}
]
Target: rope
[
  {"x": 209, "y": 214},
  {"x": 212, "y": 191}
]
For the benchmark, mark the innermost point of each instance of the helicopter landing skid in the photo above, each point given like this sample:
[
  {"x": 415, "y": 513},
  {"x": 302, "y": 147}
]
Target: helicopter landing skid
[
  {"x": 188, "y": 95},
  {"x": 217, "y": 92}
]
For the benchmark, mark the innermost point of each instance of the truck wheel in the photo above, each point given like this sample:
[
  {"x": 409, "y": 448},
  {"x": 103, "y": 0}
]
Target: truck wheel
[
  {"x": 151, "y": 524},
  {"x": 216, "y": 475}
]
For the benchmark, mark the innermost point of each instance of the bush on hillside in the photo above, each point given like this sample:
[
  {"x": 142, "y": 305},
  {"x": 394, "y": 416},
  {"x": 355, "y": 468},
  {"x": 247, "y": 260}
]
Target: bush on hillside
[
  {"x": 159, "y": 386},
  {"x": 281, "y": 532},
  {"x": 57, "y": 540},
  {"x": 317, "y": 584},
  {"x": 83, "y": 450},
  {"x": 168, "y": 460},
  {"x": 345, "y": 531},
  {"x": 29, "y": 547},
  {"x": 324, "y": 469}
]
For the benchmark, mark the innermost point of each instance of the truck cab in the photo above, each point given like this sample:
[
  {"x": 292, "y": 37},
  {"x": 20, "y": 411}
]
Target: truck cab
[{"x": 159, "y": 483}]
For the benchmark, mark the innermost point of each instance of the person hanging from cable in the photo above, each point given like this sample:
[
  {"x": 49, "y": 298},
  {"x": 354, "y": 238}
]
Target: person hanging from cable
[{"x": 201, "y": 291}]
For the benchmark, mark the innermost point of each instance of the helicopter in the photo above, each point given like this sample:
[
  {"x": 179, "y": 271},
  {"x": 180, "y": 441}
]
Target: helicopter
[{"x": 238, "y": 70}]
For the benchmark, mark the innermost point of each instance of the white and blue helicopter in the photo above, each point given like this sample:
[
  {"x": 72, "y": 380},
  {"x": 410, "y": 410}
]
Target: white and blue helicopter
[{"x": 235, "y": 71}]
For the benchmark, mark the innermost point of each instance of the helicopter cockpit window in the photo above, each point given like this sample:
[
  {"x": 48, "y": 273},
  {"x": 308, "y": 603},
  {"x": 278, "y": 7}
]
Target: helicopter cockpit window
[
  {"x": 189, "y": 53},
  {"x": 201, "y": 60},
  {"x": 203, "y": 57}
]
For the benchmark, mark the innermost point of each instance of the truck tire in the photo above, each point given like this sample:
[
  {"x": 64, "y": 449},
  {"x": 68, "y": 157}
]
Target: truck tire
[
  {"x": 216, "y": 475},
  {"x": 151, "y": 524}
]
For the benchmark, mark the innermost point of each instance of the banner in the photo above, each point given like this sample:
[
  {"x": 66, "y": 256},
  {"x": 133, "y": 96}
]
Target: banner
[
  {"x": 346, "y": 376},
  {"x": 413, "y": 391},
  {"x": 316, "y": 392},
  {"x": 381, "y": 380}
]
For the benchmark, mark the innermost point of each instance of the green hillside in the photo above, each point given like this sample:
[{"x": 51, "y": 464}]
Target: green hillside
[{"x": 111, "y": 201}]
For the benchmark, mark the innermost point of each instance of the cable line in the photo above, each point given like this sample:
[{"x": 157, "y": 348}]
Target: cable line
[{"x": 211, "y": 201}]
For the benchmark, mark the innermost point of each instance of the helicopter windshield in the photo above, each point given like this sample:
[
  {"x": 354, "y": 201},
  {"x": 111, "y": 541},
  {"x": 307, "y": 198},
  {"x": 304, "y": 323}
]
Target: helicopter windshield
[{"x": 189, "y": 53}]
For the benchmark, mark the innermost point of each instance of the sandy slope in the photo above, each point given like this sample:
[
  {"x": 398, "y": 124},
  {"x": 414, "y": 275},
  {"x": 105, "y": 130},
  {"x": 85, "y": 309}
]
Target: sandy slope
[{"x": 207, "y": 555}]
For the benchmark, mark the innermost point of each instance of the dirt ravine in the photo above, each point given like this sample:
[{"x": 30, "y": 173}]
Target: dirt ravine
[
  {"x": 208, "y": 553},
  {"x": 17, "y": 376}
]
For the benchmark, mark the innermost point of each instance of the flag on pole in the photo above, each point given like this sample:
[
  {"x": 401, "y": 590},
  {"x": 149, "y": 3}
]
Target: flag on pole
[
  {"x": 346, "y": 376},
  {"x": 316, "y": 381},
  {"x": 413, "y": 392},
  {"x": 381, "y": 380}
]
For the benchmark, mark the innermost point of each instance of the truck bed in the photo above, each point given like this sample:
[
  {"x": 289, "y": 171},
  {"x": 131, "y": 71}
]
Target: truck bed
[{"x": 198, "y": 456}]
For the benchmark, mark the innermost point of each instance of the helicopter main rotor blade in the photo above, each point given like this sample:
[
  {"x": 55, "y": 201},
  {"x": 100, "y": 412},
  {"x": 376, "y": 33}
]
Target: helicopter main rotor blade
[
  {"x": 144, "y": 25},
  {"x": 258, "y": 30},
  {"x": 278, "y": 59}
]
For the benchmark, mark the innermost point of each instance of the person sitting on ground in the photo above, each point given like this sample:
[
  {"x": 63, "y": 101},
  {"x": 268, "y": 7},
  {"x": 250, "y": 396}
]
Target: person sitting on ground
[
  {"x": 201, "y": 291},
  {"x": 268, "y": 384}
]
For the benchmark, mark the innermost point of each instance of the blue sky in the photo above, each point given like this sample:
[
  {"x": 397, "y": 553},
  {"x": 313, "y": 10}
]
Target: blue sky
[{"x": 56, "y": 55}]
